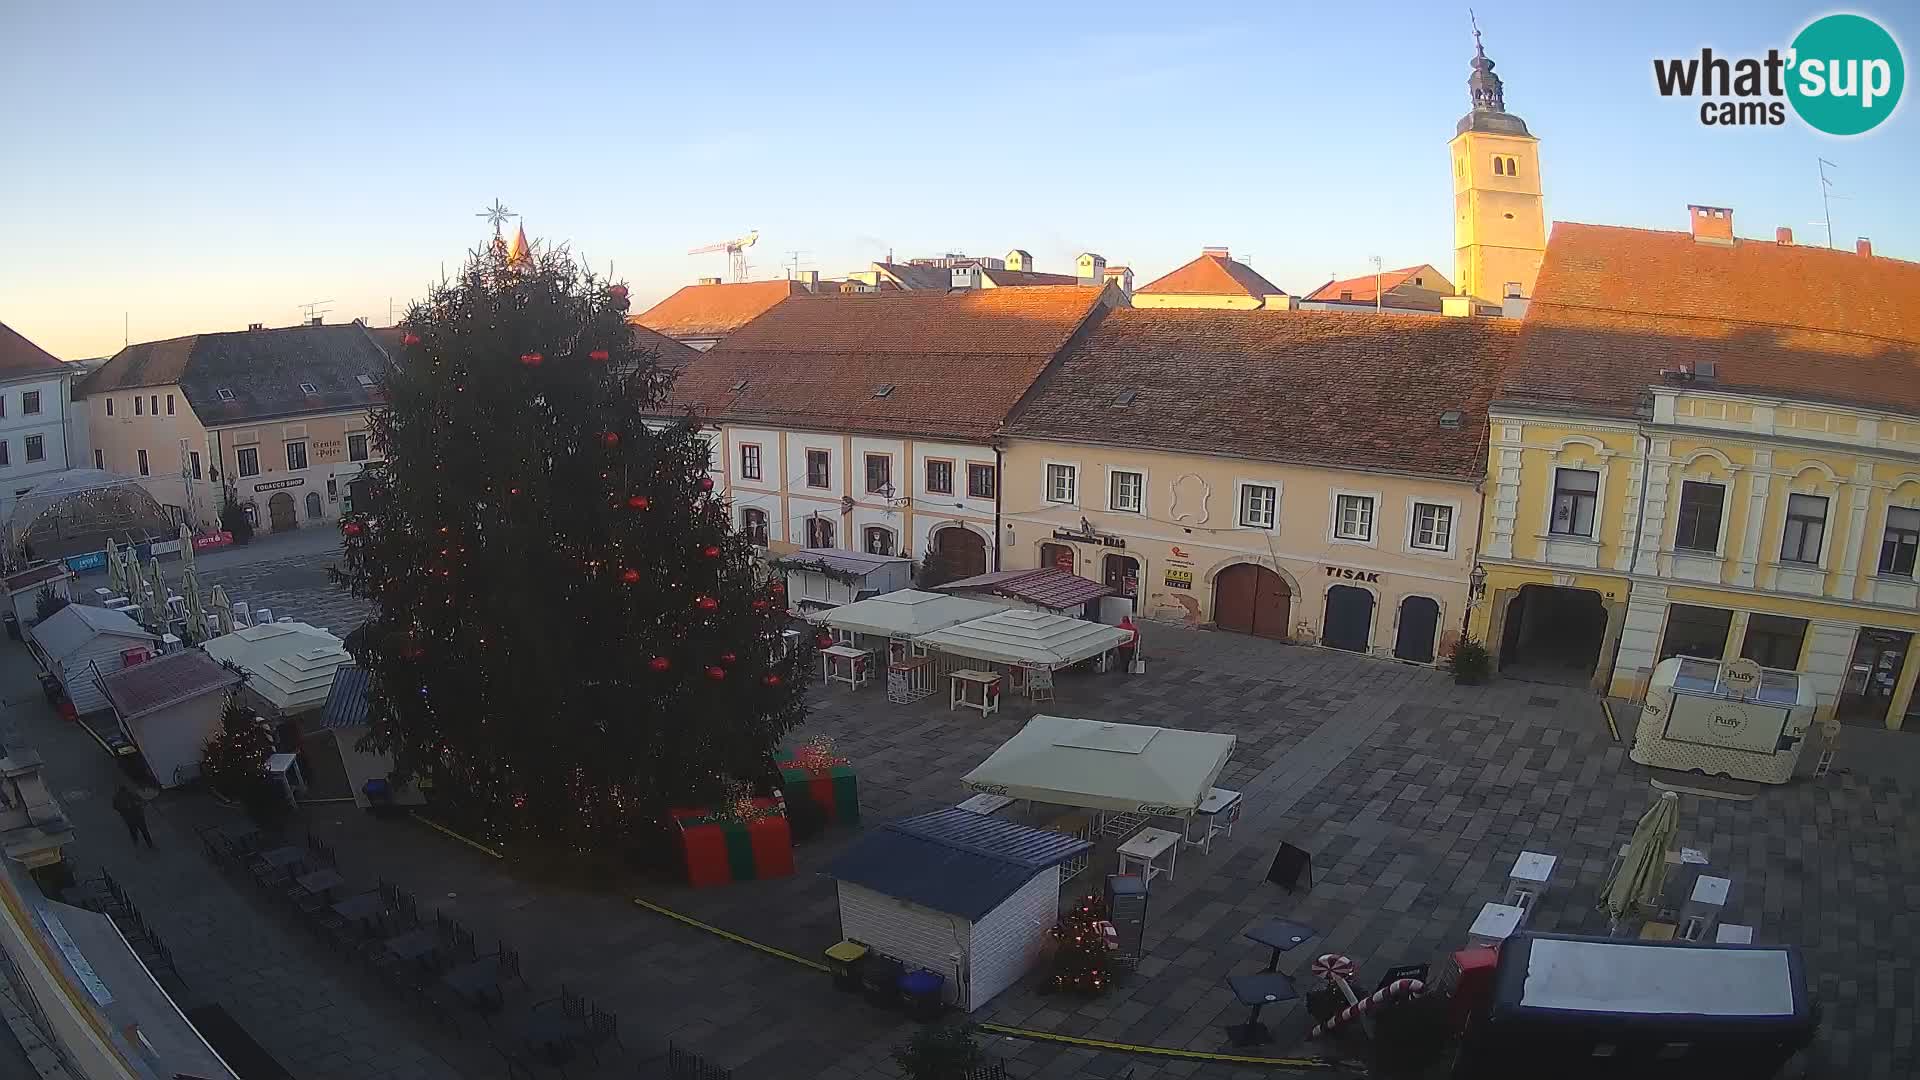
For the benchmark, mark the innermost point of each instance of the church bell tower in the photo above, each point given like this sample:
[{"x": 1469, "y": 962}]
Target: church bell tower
[{"x": 1499, "y": 216}]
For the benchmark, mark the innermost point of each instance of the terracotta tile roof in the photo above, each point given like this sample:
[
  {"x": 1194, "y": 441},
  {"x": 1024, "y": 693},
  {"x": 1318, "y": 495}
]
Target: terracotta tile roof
[
  {"x": 263, "y": 370},
  {"x": 1213, "y": 275},
  {"x": 917, "y": 277},
  {"x": 714, "y": 311},
  {"x": 1004, "y": 278},
  {"x": 1613, "y": 306},
  {"x": 1362, "y": 287},
  {"x": 18, "y": 356},
  {"x": 956, "y": 361},
  {"x": 1339, "y": 389},
  {"x": 146, "y": 363},
  {"x": 1048, "y": 586}
]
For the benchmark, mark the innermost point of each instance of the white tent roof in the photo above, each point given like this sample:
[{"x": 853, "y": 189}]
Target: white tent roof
[
  {"x": 291, "y": 664},
  {"x": 1153, "y": 770},
  {"x": 66, "y": 631},
  {"x": 1028, "y": 638},
  {"x": 908, "y": 613}
]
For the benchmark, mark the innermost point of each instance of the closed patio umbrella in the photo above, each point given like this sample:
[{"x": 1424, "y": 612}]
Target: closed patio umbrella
[
  {"x": 1641, "y": 875},
  {"x": 222, "y": 609},
  {"x": 115, "y": 579},
  {"x": 186, "y": 547},
  {"x": 157, "y": 593},
  {"x": 196, "y": 613}
]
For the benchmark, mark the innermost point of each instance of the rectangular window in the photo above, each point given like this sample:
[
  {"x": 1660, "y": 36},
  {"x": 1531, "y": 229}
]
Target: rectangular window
[
  {"x": 30, "y": 403},
  {"x": 3, "y": 405},
  {"x": 939, "y": 477},
  {"x": 1062, "y": 483},
  {"x": 819, "y": 473},
  {"x": 1575, "y": 495},
  {"x": 153, "y": 404},
  {"x": 139, "y": 405},
  {"x": 749, "y": 461},
  {"x": 1696, "y": 631},
  {"x": 980, "y": 481},
  {"x": 1126, "y": 491},
  {"x": 1259, "y": 505},
  {"x": 1901, "y": 543},
  {"x": 819, "y": 532},
  {"x": 1700, "y": 506},
  {"x": 109, "y": 407},
  {"x": 1774, "y": 641},
  {"x": 1353, "y": 517},
  {"x": 99, "y": 457},
  {"x": 143, "y": 462},
  {"x": 879, "y": 474},
  {"x": 357, "y": 447},
  {"x": 879, "y": 540},
  {"x": 1806, "y": 529},
  {"x": 753, "y": 523},
  {"x": 169, "y": 404},
  {"x": 193, "y": 463},
  {"x": 5, "y": 450},
  {"x": 36, "y": 448},
  {"x": 297, "y": 455},
  {"x": 1432, "y": 526},
  {"x": 248, "y": 458}
]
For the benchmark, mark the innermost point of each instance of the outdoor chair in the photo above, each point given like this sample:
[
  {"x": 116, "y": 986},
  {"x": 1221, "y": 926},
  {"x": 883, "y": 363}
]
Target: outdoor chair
[
  {"x": 389, "y": 892},
  {"x": 510, "y": 966},
  {"x": 460, "y": 946},
  {"x": 687, "y": 1065},
  {"x": 443, "y": 924},
  {"x": 602, "y": 1027}
]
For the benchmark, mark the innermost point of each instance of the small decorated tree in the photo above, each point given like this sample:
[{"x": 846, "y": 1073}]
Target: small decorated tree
[
  {"x": 233, "y": 518},
  {"x": 1081, "y": 961},
  {"x": 234, "y": 761}
]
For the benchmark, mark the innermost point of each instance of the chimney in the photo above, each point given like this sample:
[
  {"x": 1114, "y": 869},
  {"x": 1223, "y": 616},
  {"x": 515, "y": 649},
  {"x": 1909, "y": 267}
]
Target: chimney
[
  {"x": 1457, "y": 307},
  {"x": 1712, "y": 224},
  {"x": 315, "y": 321},
  {"x": 706, "y": 281},
  {"x": 810, "y": 279},
  {"x": 1217, "y": 252},
  {"x": 256, "y": 326},
  {"x": 1863, "y": 247},
  {"x": 1783, "y": 236}
]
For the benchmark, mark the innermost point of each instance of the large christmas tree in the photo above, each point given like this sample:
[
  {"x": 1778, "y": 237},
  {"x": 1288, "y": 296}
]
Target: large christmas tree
[{"x": 570, "y": 635}]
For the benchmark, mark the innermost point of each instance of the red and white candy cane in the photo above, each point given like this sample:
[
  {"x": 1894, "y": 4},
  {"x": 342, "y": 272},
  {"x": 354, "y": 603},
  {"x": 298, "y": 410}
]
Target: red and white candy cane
[
  {"x": 1331, "y": 966},
  {"x": 1398, "y": 988}
]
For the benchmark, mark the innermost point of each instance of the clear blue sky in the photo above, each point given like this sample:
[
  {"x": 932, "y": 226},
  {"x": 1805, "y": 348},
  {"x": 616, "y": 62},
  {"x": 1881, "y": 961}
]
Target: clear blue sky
[{"x": 200, "y": 166}]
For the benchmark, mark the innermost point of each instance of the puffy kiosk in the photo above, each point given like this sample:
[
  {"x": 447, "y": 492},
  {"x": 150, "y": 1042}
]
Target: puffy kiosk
[{"x": 1732, "y": 719}]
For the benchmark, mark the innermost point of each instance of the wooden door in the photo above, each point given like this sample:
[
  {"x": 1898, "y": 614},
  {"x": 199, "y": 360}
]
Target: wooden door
[
  {"x": 280, "y": 512},
  {"x": 1419, "y": 618},
  {"x": 1349, "y": 622},
  {"x": 1251, "y": 599},
  {"x": 963, "y": 550}
]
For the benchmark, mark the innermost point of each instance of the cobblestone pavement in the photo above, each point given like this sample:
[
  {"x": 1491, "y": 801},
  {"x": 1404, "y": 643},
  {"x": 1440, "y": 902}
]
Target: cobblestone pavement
[{"x": 1414, "y": 796}]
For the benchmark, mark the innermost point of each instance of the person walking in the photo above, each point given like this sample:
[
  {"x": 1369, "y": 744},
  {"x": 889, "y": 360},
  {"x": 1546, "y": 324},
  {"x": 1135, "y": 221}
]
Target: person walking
[{"x": 134, "y": 813}]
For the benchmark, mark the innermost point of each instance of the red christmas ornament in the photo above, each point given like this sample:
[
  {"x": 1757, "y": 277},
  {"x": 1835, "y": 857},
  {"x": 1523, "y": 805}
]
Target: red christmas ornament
[
  {"x": 410, "y": 339},
  {"x": 639, "y": 502},
  {"x": 707, "y": 603},
  {"x": 823, "y": 640},
  {"x": 760, "y": 605},
  {"x": 513, "y": 491},
  {"x": 531, "y": 359},
  {"x": 630, "y": 576},
  {"x": 770, "y": 679},
  {"x": 710, "y": 552},
  {"x": 599, "y": 354},
  {"x": 706, "y": 483},
  {"x": 776, "y": 588},
  {"x": 716, "y": 673},
  {"x": 351, "y": 528},
  {"x": 659, "y": 663},
  {"x": 727, "y": 659},
  {"x": 610, "y": 439},
  {"x": 618, "y": 292}
]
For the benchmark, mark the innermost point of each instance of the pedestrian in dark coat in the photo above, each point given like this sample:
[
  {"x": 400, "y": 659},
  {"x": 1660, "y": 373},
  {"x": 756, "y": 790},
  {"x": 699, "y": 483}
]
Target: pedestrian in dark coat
[{"x": 134, "y": 813}]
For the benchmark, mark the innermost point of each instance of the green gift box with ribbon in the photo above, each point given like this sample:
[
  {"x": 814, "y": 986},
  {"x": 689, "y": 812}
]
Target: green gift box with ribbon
[{"x": 827, "y": 781}]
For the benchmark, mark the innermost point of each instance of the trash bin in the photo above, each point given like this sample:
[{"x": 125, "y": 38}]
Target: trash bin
[
  {"x": 50, "y": 686},
  {"x": 843, "y": 961},
  {"x": 13, "y": 625},
  {"x": 921, "y": 992}
]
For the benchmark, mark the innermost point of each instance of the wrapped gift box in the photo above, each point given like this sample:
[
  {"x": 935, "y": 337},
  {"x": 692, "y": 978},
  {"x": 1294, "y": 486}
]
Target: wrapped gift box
[
  {"x": 828, "y": 783},
  {"x": 721, "y": 849}
]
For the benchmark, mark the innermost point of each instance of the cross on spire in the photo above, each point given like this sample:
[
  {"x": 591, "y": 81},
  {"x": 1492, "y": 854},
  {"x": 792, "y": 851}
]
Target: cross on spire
[{"x": 1483, "y": 86}]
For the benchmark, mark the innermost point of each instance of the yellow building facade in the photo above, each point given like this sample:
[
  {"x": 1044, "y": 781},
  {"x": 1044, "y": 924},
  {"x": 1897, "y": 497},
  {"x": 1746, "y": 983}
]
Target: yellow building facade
[{"x": 1499, "y": 213}]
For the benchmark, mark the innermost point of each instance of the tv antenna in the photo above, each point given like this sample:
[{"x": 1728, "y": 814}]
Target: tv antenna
[
  {"x": 795, "y": 262},
  {"x": 1827, "y": 194},
  {"x": 313, "y": 310}
]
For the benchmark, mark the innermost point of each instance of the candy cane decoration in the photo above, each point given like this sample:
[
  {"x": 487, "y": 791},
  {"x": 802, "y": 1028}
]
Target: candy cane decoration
[
  {"x": 1331, "y": 966},
  {"x": 1398, "y": 988}
]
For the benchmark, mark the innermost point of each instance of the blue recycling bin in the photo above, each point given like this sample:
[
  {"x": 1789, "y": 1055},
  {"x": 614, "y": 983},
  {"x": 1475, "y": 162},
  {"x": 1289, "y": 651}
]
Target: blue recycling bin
[{"x": 921, "y": 992}]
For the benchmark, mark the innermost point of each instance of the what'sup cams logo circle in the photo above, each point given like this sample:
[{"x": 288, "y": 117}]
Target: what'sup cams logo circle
[{"x": 1842, "y": 75}]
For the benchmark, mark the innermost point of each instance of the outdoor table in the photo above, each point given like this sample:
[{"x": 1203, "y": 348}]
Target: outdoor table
[
  {"x": 363, "y": 908},
  {"x": 321, "y": 882},
  {"x": 103, "y": 594},
  {"x": 1257, "y": 991},
  {"x": 1216, "y": 813},
  {"x": 479, "y": 980},
  {"x": 414, "y": 944},
  {"x": 984, "y": 803},
  {"x": 1528, "y": 879},
  {"x": 281, "y": 857},
  {"x": 1280, "y": 935},
  {"x": 238, "y": 833},
  {"x": 1494, "y": 924},
  {"x": 118, "y": 602},
  {"x": 1146, "y": 846},
  {"x": 856, "y": 662},
  {"x": 960, "y": 697}
]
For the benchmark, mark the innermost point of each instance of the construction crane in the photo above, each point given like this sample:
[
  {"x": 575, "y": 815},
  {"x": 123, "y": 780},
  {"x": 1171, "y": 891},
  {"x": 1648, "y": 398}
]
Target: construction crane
[{"x": 736, "y": 252}]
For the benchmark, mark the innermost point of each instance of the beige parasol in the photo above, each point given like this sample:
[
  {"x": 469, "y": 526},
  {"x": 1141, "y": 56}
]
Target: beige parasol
[
  {"x": 222, "y": 609},
  {"x": 1640, "y": 877},
  {"x": 196, "y": 613}
]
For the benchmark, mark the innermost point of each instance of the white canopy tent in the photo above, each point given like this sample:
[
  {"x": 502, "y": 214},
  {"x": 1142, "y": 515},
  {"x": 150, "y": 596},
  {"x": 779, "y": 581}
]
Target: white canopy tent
[
  {"x": 1163, "y": 772},
  {"x": 906, "y": 614},
  {"x": 1029, "y": 639}
]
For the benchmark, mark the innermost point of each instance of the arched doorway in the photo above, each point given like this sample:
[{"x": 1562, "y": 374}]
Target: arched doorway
[
  {"x": 1121, "y": 573},
  {"x": 963, "y": 550},
  {"x": 280, "y": 512},
  {"x": 1349, "y": 623},
  {"x": 1419, "y": 618},
  {"x": 1553, "y": 634},
  {"x": 1251, "y": 599},
  {"x": 313, "y": 506},
  {"x": 1057, "y": 556}
]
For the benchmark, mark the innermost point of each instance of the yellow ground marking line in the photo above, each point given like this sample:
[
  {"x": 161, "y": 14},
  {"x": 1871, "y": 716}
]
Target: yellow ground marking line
[
  {"x": 437, "y": 827},
  {"x": 1611, "y": 727},
  {"x": 1003, "y": 1029}
]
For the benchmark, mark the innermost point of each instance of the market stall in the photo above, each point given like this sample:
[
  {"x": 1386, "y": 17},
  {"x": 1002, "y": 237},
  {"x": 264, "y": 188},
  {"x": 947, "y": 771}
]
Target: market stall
[
  {"x": 1026, "y": 640},
  {"x": 1732, "y": 719},
  {"x": 895, "y": 622},
  {"x": 963, "y": 895},
  {"x": 820, "y": 578},
  {"x": 170, "y": 707},
  {"x": 80, "y": 642},
  {"x": 1126, "y": 769},
  {"x": 1046, "y": 588}
]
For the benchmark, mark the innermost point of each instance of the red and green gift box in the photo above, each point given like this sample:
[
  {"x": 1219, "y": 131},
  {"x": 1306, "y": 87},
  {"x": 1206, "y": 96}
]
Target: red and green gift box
[
  {"x": 826, "y": 781},
  {"x": 721, "y": 848}
]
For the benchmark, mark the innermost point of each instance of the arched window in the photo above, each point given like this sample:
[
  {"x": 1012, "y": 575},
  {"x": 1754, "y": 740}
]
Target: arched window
[
  {"x": 1499, "y": 165},
  {"x": 819, "y": 532},
  {"x": 1513, "y": 167},
  {"x": 879, "y": 540},
  {"x": 753, "y": 523}
]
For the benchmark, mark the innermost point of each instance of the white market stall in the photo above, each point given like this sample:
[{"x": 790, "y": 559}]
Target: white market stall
[
  {"x": 828, "y": 577},
  {"x": 963, "y": 895},
  {"x": 899, "y": 619},
  {"x": 23, "y": 589},
  {"x": 170, "y": 707},
  {"x": 1125, "y": 768},
  {"x": 80, "y": 642},
  {"x": 1732, "y": 719},
  {"x": 1032, "y": 644},
  {"x": 289, "y": 665},
  {"x": 347, "y": 718}
]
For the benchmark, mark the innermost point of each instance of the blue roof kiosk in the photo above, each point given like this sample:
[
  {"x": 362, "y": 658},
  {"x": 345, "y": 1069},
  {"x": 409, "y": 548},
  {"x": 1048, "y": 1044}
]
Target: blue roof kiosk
[{"x": 959, "y": 893}]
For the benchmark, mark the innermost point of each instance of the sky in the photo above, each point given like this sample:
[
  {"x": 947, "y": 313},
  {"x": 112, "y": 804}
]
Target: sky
[{"x": 168, "y": 169}]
